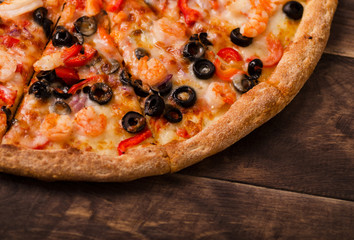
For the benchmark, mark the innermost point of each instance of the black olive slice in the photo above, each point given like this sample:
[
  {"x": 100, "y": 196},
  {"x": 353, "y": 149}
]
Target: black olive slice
[
  {"x": 194, "y": 37},
  {"x": 85, "y": 25},
  {"x": 125, "y": 77},
  {"x": 172, "y": 114},
  {"x": 154, "y": 105},
  {"x": 62, "y": 37},
  {"x": 41, "y": 89},
  {"x": 140, "y": 53},
  {"x": 50, "y": 75},
  {"x": 39, "y": 15},
  {"x": 61, "y": 108},
  {"x": 7, "y": 113},
  {"x": 133, "y": 122},
  {"x": 238, "y": 39},
  {"x": 47, "y": 27},
  {"x": 244, "y": 84},
  {"x": 110, "y": 68},
  {"x": 203, "y": 69},
  {"x": 136, "y": 32},
  {"x": 139, "y": 88},
  {"x": 100, "y": 93},
  {"x": 193, "y": 50},
  {"x": 61, "y": 92},
  {"x": 255, "y": 68},
  {"x": 203, "y": 37},
  {"x": 184, "y": 96},
  {"x": 86, "y": 89},
  {"x": 293, "y": 10}
]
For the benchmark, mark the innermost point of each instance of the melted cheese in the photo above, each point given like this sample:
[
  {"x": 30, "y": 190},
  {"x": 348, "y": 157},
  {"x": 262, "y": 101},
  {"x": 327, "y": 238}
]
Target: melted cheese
[{"x": 163, "y": 35}]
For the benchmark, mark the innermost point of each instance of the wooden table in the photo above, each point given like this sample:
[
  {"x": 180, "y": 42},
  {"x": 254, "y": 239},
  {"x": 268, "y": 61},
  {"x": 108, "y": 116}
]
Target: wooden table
[{"x": 292, "y": 178}]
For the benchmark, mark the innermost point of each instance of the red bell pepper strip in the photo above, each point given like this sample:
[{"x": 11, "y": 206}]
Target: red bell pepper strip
[
  {"x": 71, "y": 52},
  {"x": 182, "y": 132},
  {"x": 69, "y": 75},
  {"x": 114, "y": 6},
  {"x": 9, "y": 41},
  {"x": 130, "y": 142},
  {"x": 190, "y": 15},
  {"x": 81, "y": 59},
  {"x": 229, "y": 54},
  {"x": 225, "y": 74},
  {"x": 19, "y": 68},
  {"x": 79, "y": 85},
  {"x": 7, "y": 95}
]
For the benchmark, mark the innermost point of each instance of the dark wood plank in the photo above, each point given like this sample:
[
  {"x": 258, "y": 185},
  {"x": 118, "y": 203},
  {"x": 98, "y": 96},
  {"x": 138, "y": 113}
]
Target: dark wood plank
[
  {"x": 170, "y": 207},
  {"x": 341, "y": 40},
  {"x": 309, "y": 147}
]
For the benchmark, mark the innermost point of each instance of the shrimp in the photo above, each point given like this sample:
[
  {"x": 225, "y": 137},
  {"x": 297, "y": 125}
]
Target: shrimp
[
  {"x": 13, "y": 8},
  {"x": 275, "y": 49},
  {"x": 49, "y": 62},
  {"x": 8, "y": 66},
  {"x": 168, "y": 32},
  {"x": 90, "y": 122},
  {"x": 56, "y": 127},
  {"x": 218, "y": 94},
  {"x": 68, "y": 12},
  {"x": 257, "y": 18},
  {"x": 151, "y": 71},
  {"x": 275, "y": 52}
]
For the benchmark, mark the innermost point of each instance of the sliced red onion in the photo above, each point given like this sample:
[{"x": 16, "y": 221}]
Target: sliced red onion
[
  {"x": 165, "y": 86},
  {"x": 27, "y": 33},
  {"x": 77, "y": 102},
  {"x": 14, "y": 32}
]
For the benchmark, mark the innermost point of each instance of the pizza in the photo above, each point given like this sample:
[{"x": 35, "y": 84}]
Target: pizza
[{"x": 101, "y": 90}]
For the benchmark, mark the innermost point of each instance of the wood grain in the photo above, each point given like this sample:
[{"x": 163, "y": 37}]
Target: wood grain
[
  {"x": 170, "y": 207},
  {"x": 341, "y": 40},
  {"x": 309, "y": 147}
]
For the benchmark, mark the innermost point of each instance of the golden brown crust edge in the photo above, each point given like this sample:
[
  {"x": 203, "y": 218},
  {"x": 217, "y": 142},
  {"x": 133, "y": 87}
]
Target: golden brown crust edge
[
  {"x": 75, "y": 165},
  {"x": 249, "y": 112},
  {"x": 266, "y": 99},
  {"x": 302, "y": 56}
]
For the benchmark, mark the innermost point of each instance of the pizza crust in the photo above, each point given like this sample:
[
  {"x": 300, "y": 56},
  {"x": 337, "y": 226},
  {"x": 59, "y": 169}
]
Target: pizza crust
[
  {"x": 75, "y": 165},
  {"x": 300, "y": 59},
  {"x": 249, "y": 112}
]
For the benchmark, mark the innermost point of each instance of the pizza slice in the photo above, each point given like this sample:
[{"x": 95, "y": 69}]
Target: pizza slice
[
  {"x": 76, "y": 98},
  {"x": 25, "y": 27}
]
